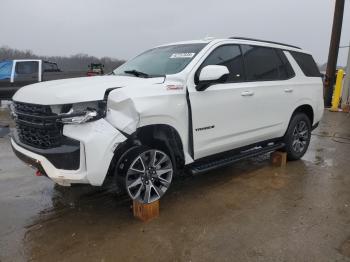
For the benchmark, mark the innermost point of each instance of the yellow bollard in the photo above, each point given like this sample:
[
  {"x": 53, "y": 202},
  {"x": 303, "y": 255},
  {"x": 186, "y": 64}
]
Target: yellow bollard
[{"x": 337, "y": 91}]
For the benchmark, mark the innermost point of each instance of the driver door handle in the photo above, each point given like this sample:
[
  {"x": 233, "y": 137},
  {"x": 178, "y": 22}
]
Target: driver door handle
[
  {"x": 288, "y": 90},
  {"x": 247, "y": 93}
]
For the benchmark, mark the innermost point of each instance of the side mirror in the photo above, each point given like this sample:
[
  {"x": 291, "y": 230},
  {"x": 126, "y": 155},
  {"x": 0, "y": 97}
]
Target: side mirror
[{"x": 212, "y": 74}]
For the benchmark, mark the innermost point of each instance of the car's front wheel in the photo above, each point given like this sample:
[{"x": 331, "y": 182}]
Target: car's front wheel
[
  {"x": 146, "y": 174},
  {"x": 297, "y": 137}
]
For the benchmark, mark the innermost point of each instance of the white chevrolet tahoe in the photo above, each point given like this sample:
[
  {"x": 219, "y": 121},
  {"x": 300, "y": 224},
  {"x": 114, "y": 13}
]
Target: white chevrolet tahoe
[{"x": 188, "y": 106}]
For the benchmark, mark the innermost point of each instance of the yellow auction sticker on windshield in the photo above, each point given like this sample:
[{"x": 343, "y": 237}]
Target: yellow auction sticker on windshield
[{"x": 182, "y": 55}]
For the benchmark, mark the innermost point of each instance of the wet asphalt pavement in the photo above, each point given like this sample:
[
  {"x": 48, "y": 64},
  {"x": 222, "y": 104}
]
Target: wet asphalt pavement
[{"x": 248, "y": 212}]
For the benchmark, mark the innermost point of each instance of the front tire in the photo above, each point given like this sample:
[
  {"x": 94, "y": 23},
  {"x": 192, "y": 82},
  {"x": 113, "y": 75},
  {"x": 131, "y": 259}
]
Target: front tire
[
  {"x": 146, "y": 174},
  {"x": 297, "y": 137}
]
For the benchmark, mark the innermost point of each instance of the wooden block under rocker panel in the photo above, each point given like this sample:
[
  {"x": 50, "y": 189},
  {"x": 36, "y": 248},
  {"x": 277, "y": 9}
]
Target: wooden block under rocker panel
[
  {"x": 279, "y": 158},
  {"x": 146, "y": 212}
]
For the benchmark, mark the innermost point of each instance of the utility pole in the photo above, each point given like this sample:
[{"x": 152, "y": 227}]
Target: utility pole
[
  {"x": 346, "y": 87},
  {"x": 333, "y": 51}
]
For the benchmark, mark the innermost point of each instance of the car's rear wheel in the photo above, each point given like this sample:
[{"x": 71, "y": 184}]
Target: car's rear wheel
[
  {"x": 146, "y": 174},
  {"x": 297, "y": 138}
]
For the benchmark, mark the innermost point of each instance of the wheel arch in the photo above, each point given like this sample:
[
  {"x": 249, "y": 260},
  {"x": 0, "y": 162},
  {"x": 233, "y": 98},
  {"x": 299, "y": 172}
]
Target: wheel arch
[
  {"x": 167, "y": 137},
  {"x": 307, "y": 110},
  {"x": 302, "y": 108},
  {"x": 164, "y": 136}
]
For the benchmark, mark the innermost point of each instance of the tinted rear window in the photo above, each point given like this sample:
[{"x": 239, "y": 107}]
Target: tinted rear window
[
  {"x": 285, "y": 68},
  {"x": 265, "y": 64},
  {"x": 307, "y": 64}
]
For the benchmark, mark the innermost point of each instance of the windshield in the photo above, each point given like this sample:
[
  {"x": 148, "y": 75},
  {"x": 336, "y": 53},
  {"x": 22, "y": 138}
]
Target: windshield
[{"x": 160, "y": 61}]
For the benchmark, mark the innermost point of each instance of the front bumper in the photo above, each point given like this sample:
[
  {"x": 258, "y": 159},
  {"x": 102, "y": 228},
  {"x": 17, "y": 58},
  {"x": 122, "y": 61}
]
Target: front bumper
[
  {"x": 66, "y": 156},
  {"x": 28, "y": 160},
  {"x": 85, "y": 161}
]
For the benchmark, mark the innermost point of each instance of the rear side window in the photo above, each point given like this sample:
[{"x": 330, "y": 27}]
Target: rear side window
[
  {"x": 229, "y": 56},
  {"x": 30, "y": 67},
  {"x": 285, "y": 69},
  {"x": 265, "y": 64},
  {"x": 307, "y": 64}
]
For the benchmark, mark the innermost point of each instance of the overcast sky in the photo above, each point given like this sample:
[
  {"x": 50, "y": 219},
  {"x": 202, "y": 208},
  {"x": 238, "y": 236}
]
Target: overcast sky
[{"x": 122, "y": 29}]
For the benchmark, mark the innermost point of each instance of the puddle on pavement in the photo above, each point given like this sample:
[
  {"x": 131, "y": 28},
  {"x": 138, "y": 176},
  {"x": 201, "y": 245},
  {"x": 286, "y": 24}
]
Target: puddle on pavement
[
  {"x": 342, "y": 135},
  {"x": 318, "y": 159},
  {"x": 4, "y": 130},
  {"x": 5, "y": 118},
  {"x": 85, "y": 217},
  {"x": 319, "y": 154},
  {"x": 345, "y": 248}
]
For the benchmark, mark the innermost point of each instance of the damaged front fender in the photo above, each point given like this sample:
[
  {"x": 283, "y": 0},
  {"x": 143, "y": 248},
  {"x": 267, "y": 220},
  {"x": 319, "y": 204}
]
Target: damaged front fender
[{"x": 121, "y": 112}]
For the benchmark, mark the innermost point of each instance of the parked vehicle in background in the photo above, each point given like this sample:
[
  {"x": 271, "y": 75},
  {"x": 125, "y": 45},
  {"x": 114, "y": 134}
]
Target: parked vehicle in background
[
  {"x": 95, "y": 69},
  {"x": 15, "y": 74},
  {"x": 189, "y": 106}
]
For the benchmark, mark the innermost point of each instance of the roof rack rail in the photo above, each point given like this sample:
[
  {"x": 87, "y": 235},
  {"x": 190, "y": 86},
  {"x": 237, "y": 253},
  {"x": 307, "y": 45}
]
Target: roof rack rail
[{"x": 264, "y": 41}]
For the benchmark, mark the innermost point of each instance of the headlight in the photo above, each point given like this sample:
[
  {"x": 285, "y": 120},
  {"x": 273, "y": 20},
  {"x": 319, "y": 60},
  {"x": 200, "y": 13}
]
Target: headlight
[
  {"x": 82, "y": 112},
  {"x": 79, "y": 118}
]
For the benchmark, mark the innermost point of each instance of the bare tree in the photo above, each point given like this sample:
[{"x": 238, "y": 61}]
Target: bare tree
[{"x": 78, "y": 62}]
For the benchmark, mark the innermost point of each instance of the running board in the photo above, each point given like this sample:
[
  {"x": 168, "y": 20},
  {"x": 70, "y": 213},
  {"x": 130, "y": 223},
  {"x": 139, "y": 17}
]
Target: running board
[{"x": 204, "y": 167}]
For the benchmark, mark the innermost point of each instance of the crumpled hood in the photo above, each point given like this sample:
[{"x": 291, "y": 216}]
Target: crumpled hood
[{"x": 76, "y": 90}]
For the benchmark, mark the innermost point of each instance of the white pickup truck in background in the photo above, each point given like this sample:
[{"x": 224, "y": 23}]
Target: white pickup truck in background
[{"x": 15, "y": 74}]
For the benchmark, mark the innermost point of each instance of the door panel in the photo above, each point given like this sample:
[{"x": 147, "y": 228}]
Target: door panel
[
  {"x": 245, "y": 110},
  {"x": 227, "y": 116}
]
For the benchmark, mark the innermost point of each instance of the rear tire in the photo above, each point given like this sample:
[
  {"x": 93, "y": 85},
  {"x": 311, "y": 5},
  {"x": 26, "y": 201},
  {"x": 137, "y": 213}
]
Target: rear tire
[{"x": 297, "y": 137}]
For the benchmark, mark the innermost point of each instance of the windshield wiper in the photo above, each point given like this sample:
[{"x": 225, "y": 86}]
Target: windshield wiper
[{"x": 137, "y": 73}]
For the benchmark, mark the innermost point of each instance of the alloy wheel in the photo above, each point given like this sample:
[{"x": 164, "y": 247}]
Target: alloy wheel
[
  {"x": 300, "y": 137},
  {"x": 149, "y": 176}
]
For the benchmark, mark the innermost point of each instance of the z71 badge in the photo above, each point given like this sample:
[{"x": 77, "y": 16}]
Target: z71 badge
[{"x": 204, "y": 128}]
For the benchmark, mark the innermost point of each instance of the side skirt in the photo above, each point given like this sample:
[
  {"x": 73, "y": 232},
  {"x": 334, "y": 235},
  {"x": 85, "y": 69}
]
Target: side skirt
[{"x": 207, "y": 164}]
